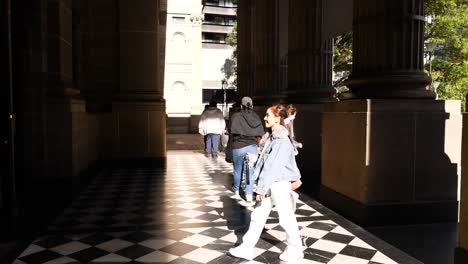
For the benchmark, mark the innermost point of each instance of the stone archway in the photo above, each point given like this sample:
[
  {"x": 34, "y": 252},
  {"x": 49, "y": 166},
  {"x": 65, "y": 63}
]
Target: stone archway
[{"x": 178, "y": 100}]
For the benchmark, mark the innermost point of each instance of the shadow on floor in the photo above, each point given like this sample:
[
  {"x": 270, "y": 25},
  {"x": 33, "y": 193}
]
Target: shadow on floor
[
  {"x": 184, "y": 142},
  {"x": 431, "y": 244}
]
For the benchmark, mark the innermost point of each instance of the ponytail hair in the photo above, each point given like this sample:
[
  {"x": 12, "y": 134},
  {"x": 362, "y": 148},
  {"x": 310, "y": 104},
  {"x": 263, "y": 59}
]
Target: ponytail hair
[{"x": 280, "y": 111}]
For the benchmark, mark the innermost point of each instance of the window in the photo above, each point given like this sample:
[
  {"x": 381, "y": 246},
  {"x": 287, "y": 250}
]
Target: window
[
  {"x": 214, "y": 38},
  {"x": 212, "y": 19},
  {"x": 219, "y": 20},
  {"x": 178, "y": 20},
  {"x": 208, "y": 94},
  {"x": 212, "y": 2},
  {"x": 218, "y": 95}
]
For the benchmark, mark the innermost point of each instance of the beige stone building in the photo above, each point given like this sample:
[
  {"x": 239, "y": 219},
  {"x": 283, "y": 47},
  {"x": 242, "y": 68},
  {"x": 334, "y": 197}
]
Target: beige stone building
[
  {"x": 182, "y": 84},
  {"x": 88, "y": 79},
  {"x": 196, "y": 51},
  {"x": 219, "y": 17}
]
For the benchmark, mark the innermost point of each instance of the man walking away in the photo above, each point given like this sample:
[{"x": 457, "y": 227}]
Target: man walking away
[{"x": 211, "y": 126}]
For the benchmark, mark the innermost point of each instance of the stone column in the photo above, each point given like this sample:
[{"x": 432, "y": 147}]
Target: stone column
[
  {"x": 392, "y": 155},
  {"x": 461, "y": 252},
  {"x": 60, "y": 89},
  {"x": 309, "y": 81},
  {"x": 29, "y": 75},
  {"x": 138, "y": 123},
  {"x": 8, "y": 196},
  {"x": 270, "y": 45},
  {"x": 162, "y": 40},
  {"x": 72, "y": 144},
  {"x": 309, "y": 57},
  {"x": 97, "y": 53},
  {"x": 80, "y": 30},
  {"x": 139, "y": 50},
  {"x": 245, "y": 51},
  {"x": 60, "y": 48},
  {"x": 388, "y": 38}
]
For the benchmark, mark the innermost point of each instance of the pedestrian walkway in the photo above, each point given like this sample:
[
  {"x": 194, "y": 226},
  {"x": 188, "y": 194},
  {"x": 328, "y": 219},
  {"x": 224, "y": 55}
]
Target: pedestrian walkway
[{"x": 186, "y": 213}]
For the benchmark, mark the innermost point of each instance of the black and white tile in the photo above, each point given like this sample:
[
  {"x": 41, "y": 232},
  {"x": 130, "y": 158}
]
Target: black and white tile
[{"x": 184, "y": 213}]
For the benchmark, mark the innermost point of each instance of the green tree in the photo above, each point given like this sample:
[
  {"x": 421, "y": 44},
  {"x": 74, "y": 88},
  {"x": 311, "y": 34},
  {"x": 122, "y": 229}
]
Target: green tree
[
  {"x": 447, "y": 28},
  {"x": 231, "y": 38},
  {"x": 230, "y": 65},
  {"x": 342, "y": 59}
]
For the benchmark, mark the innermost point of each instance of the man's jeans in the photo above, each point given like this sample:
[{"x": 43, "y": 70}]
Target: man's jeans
[
  {"x": 238, "y": 160},
  {"x": 212, "y": 144}
]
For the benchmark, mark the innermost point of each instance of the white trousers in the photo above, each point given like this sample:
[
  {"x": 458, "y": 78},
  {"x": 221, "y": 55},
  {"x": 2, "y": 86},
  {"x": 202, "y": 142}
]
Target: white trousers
[{"x": 281, "y": 198}]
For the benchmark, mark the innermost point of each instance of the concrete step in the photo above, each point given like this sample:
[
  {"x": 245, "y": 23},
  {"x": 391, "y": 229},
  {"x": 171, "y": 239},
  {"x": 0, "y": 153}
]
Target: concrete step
[{"x": 178, "y": 125}]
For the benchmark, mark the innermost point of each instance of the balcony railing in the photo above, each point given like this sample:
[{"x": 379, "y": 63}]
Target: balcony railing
[
  {"x": 230, "y": 5},
  {"x": 214, "y": 41},
  {"x": 219, "y": 23}
]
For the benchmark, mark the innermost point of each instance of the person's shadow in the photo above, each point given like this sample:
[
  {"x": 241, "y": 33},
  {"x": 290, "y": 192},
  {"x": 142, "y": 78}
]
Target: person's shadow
[{"x": 237, "y": 216}]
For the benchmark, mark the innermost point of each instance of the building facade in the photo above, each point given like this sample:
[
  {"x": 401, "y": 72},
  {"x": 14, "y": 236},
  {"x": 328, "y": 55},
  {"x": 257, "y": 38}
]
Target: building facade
[
  {"x": 196, "y": 53},
  {"x": 219, "y": 18},
  {"x": 182, "y": 85}
]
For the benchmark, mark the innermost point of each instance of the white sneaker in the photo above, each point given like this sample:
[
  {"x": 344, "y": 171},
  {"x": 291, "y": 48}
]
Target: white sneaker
[
  {"x": 291, "y": 254},
  {"x": 242, "y": 251},
  {"x": 236, "y": 196},
  {"x": 249, "y": 198},
  {"x": 246, "y": 204}
]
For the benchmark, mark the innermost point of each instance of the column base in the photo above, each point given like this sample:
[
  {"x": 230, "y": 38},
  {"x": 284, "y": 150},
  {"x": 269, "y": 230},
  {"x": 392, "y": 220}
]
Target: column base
[
  {"x": 403, "y": 155},
  {"x": 134, "y": 130},
  {"x": 461, "y": 255},
  {"x": 390, "y": 86},
  {"x": 178, "y": 125},
  {"x": 7, "y": 225},
  {"x": 388, "y": 94},
  {"x": 314, "y": 94},
  {"x": 194, "y": 120},
  {"x": 307, "y": 129},
  {"x": 267, "y": 100},
  {"x": 71, "y": 138},
  {"x": 366, "y": 215}
]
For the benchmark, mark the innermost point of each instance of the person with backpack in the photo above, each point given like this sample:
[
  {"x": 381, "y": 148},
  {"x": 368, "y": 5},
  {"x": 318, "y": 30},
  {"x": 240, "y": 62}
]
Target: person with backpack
[{"x": 245, "y": 127}]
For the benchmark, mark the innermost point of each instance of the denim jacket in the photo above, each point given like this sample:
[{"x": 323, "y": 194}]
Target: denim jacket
[{"x": 277, "y": 161}]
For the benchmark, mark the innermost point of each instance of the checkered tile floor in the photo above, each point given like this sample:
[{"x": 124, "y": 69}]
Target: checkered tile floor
[{"x": 185, "y": 213}]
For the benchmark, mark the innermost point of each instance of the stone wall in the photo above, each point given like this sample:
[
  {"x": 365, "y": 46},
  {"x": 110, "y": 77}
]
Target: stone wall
[
  {"x": 461, "y": 253},
  {"x": 78, "y": 62},
  {"x": 72, "y": 139},
  {"x": 85, "y": 139},
  {"x": 133, "y": 131},
  {"x": 396, "y": 161}
]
